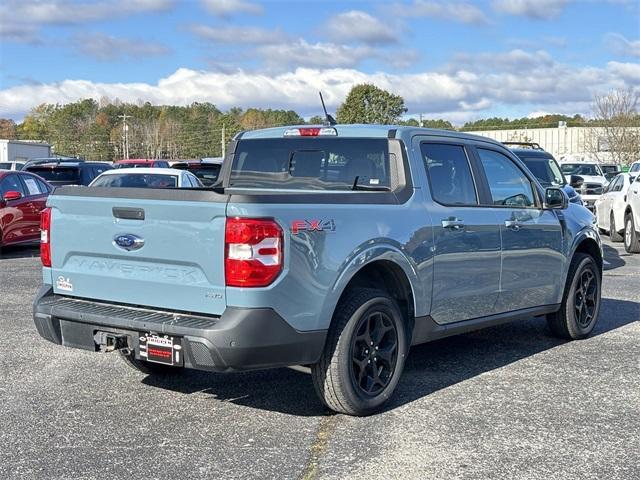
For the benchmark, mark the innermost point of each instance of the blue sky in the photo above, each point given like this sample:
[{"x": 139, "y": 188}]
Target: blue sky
[{"x": 458, "y": 60}]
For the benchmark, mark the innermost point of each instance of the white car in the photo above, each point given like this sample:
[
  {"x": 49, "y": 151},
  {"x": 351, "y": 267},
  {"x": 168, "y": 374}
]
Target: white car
[
  {"x": 634, "y": 169},
  {"x": 593, "y": 178},
  {"x": 632, "y": 218},
  {"x": 147, "y": 178},
  {"x": 611, "y": 205},
  {"x": 12, "y": 165}
]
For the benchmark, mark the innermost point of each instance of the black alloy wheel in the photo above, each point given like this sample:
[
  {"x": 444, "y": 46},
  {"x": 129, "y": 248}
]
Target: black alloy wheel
[
  {"x": 374, "y": 352},
  {"x": 585, "y": 299}
]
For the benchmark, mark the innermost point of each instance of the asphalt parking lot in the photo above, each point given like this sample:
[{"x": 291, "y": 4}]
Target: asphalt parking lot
[{"x": 504, "y": 403}]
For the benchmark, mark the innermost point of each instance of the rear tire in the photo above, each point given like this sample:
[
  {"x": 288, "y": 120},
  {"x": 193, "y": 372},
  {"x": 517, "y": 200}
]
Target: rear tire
[
  {"x": 580, "y": 306},
  {"x": 614, "y": 236},
  {"x": 364, "y": 354},
  {"x": 631, "y": 240},
  {"x": 149, "y": 368}
]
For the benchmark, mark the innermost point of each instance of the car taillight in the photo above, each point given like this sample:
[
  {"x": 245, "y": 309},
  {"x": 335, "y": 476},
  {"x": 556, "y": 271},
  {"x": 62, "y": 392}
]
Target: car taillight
[
  {"x": 45, "y": 237},
  {"x": 253, "y": 252}
]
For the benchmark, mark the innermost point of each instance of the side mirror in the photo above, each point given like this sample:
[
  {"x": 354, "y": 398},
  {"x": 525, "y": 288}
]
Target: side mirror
[
  {"x": 576, "y": 181},
  {"x": 555, "y": 199},
  {"x": 12, "y": 195}
]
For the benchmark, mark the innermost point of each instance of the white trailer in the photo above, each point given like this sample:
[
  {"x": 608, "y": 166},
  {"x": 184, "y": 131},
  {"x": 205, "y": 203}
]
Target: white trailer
[{"x": 23, "y": 150}]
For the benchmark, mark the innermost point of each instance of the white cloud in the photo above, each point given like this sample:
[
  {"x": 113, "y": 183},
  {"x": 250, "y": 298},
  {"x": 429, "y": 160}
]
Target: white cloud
[
  {"x": 620, "y": 45},
  {"x": 513, "y": 61},
  {"x": 536, "y": 9},
  {"x": 323, "y": 55},
  {"x": 462, "y": 12},
  {"x": 238, "y": 35},
  {"x": 20, "y": 20},
  {"x": 629, "y": 72},
  {"x": 105, "y": 47},
  {"x": 225, "y": 8},
  {"x": 359, "y": 26},
  {"x": 456, "y": 93}
]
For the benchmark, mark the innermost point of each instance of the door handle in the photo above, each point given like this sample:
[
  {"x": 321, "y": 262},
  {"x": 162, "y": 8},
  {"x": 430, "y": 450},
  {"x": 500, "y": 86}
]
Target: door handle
[
  {"x": 512, "y": 225},
  {"x": 453, "y": 223}
]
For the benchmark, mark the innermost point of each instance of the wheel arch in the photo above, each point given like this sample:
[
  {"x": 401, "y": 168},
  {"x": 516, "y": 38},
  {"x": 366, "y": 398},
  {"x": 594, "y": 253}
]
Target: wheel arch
[
  {"x": 384, "y": 268},
  {"x": 589, "y": 245}
]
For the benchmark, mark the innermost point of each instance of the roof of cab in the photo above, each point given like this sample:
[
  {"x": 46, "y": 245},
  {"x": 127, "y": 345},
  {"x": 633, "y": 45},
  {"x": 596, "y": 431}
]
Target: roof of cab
[{"x": 366, "y": 131}]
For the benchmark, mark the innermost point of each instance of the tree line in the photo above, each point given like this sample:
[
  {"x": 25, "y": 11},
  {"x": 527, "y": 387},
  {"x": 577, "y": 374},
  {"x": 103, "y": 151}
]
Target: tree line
[{"x": 111, "y": 129}]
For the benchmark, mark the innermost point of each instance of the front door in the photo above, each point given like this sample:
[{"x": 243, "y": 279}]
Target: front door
[
  {"x": 466, "y": 268},
  {"x": 532, "y": 259}
]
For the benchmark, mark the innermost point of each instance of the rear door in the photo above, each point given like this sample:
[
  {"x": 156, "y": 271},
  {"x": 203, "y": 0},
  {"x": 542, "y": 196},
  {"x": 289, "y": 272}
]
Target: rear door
[
  {"x": 532, "y": 259},
  {"x": 36, "y": 198},
  {"x": 466, "y": 267},
  {"x": 151, "y": 247}
]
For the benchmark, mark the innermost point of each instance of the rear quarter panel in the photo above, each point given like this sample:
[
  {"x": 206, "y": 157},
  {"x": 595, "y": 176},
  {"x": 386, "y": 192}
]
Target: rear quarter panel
[{"x": 319, "y": 264}]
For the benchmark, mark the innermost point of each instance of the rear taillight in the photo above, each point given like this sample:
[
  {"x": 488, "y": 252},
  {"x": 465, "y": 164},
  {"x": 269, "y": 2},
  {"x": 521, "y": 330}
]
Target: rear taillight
[
  {"x": 253, "y": 252},
  {"x": 45, "y": 237}
]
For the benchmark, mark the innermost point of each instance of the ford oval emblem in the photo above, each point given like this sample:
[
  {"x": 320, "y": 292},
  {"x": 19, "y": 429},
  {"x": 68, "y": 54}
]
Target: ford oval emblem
[{"x": 128, "y": 242}]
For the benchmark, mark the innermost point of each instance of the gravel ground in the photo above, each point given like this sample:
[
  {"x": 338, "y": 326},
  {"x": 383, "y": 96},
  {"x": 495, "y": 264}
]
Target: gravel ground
[{"x": 506, "y": 402}]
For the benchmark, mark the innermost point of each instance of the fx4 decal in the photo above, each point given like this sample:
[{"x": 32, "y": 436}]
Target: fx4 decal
[{"x": 298, "y": 226}]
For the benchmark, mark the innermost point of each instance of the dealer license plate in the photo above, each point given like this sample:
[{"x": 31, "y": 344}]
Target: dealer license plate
[{"x": 161, "y": 349}]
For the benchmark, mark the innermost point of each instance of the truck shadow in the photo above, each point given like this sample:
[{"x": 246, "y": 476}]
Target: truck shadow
[
  {"x": 429, "y": 368},
  {"x": 22, "y": 251}
]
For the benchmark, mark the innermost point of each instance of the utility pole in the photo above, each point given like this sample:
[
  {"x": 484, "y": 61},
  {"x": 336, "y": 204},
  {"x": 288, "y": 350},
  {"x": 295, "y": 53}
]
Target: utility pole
[
  {"x": 420, "y": 120},
  {"x": 125, "y": 134},
  {"x": 224, "y": 142}
]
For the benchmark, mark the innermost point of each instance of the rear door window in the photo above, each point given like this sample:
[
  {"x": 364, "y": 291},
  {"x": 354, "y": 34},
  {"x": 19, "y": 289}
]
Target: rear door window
[
  {"x": 32, "y": 185},
  {"x": 311, "y": 163},
  {"x": 449, "y": 174}
]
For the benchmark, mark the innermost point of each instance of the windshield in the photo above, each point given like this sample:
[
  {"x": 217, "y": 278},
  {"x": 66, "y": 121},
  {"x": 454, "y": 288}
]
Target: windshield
[
  {"x": 57, "y": 174},
  {"x": 136, "y": 180},
  {"x": 311, "y": 163},
  {"x": 546, "y": 170},
  {"x": 132, "y": 165},
  {"x": 635, "y": 167},
  {"x": 581, "y": 169},
  {"x": 610, "y": 168}
]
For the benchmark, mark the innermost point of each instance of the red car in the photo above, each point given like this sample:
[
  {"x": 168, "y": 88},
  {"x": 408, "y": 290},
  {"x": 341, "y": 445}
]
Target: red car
[
  {"x": 23, "y": 196},
  {"x": 141, "y": 162}
]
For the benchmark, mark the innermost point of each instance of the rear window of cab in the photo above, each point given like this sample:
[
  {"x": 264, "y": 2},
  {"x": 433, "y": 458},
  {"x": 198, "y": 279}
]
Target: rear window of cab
[{"x": 315, "y": 163}]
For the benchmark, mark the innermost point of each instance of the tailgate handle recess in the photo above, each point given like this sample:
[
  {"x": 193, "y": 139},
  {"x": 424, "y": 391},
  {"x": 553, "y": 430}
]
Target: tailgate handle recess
[{"x": 128, "y": 213}]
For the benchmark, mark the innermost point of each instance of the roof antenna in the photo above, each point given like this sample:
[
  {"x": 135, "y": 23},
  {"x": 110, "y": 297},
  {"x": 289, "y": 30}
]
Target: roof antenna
[{"x": 328, "y": 119}]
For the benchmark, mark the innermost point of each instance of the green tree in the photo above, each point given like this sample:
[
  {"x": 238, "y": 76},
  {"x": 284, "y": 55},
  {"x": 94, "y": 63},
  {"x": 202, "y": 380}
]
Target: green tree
[
  {"x": 316, "y": 120},
  {"x": 369, "y": 104},
  {"x": 7, "y": 129}
]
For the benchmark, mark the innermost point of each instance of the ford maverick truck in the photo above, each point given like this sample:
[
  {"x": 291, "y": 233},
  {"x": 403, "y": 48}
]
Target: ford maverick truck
[{"x": 335, "y": 247}]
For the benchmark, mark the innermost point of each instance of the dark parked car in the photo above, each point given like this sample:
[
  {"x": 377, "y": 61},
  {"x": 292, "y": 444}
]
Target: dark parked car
[
  {"x": 22, "y": 197},
  {"x": 141, "y": 163},
  {"x": 68, "y": 172},
  {"x": 610, "y": 170},
  {"x": 546, "y": 169},
  {"x": 206, "y": 169}
]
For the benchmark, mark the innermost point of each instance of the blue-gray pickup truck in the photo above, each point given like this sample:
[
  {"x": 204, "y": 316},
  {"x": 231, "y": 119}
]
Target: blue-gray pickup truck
[{"x": 335, "y": 247}]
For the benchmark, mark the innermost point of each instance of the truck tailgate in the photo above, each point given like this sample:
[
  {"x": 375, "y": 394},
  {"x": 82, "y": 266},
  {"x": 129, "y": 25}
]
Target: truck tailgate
[{"x": 176, "y": 264}]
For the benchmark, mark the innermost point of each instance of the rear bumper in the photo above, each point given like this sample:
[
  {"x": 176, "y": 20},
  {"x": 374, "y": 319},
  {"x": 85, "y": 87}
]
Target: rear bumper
[{"x": 240, "y": 339}]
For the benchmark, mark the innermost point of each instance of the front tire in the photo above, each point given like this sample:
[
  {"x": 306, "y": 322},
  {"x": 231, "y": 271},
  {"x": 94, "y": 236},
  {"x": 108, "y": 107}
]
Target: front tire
[
  {"x": 631, "y": 240},
  {"x": 614, "y": 236},
  {"x": 580, "y": 306},
  {"x": 364, "y": 354}
]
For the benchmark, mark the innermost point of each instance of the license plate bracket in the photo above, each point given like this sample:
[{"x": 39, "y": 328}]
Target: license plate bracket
[{"x": 162, "y": 349}]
